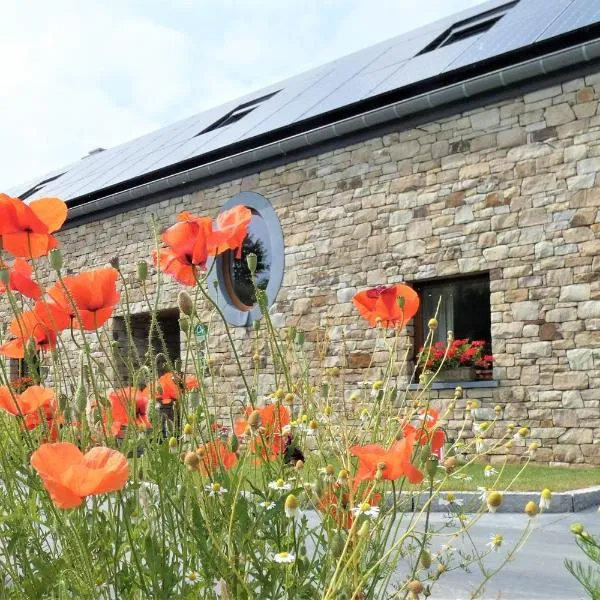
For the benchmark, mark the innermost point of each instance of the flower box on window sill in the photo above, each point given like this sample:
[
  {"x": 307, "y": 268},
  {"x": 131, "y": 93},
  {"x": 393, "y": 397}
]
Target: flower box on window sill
[{"x": 457, "y": 374}]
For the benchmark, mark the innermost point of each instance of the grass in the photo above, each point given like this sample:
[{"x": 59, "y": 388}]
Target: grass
[{"x": 533, "y": 479}]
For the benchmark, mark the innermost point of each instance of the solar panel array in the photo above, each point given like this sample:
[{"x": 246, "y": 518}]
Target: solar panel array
[{"x": 387, "y": 66}]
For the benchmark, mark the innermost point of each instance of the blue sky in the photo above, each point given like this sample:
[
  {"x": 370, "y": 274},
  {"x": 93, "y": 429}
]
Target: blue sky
[{"x": 78, "y": 75}]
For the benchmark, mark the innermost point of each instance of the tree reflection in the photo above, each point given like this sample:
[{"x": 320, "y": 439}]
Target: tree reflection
[{"x": 241, "y": 276}]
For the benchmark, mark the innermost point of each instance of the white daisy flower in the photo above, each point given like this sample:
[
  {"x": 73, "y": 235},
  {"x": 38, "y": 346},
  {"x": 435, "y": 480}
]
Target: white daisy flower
[
  {"x": 462, "y": 477},
  {"x": 280, "y": 485},
  {"x": 489, "y": 471},
  {"x": 267, "y": 505},
  {"x": 283, "y": 557},
  {"x": 450, "y": 499},
  {"x": 479, "y": 445},
  {"x": 482, "y": 493},
  {"x": 366, "y": 509},
  {"x": 291, "y": 507},
  {"x": 495, "y": 542},
  {"x": 215, "y": 489},
  {"x": 545, "y": 499},
  {"x": 192, "y": 577}
]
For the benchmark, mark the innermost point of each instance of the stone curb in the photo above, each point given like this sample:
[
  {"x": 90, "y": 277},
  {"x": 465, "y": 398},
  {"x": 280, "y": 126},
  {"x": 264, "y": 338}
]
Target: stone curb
[{"x": 513, "y": 502}]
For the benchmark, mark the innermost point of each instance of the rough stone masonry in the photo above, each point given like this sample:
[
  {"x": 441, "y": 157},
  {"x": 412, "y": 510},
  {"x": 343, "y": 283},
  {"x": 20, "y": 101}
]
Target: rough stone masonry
[{"x": 512, "y": 188}]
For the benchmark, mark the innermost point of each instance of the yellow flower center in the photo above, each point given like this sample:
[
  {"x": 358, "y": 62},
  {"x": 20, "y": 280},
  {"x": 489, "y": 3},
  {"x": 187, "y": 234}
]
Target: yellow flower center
[{"x": 364, "y": 507}]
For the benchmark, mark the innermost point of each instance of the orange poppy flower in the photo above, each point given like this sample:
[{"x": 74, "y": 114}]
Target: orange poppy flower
[
  {"x": 126, "y": 403},
  {"x": 427, "y": 431},
  {"x": 170, "y": 388},
  {"x": 231, "y": 229},
  {"x": 20, "y": 280},
  {"x": 189, "y": 247},
  {"x": 70, "y": 476},
  {"x": 26, "y": 228},
  {"x": 273, "y": 417},
  {"x": 28, "y": 325},
  {"x": 94, "y": 293},
  {"x": 395, "y": 461},
  {"x": 214, "y": 455},
  {"x": 390, "y": 306},
  {"x": 30, "y": 401}
]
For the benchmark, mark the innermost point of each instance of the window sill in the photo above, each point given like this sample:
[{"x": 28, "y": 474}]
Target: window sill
[{"x": 450, "y": 385}]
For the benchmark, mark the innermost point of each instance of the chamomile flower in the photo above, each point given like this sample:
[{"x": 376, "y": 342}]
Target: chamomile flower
[
  {"x": 192, "y": 577},
  {"x": 291, "y": 507},
  {"x": 479, "y": 445},
  {"x": 545, "y": 499},
  {"x": 462, "y": 477},
  {"x": 266, "y": 504},
  {"x": 494, "y": 500},
  {"x": 280, "y": 485},
  {"x": 532, "y": 450},
  {"x": 495, "y": 542},
  {"x": 283, "y": 557},
  {"x": 450, "y": 499},
  {"x": 489, "y": 471},
  {"x": 483, "y": 492},
  {"x": 366, "y": 509},
  {"x": 215, "y": 489},
  {"x": 327, "y": 473},
  {"x": 364, "y": 416}
]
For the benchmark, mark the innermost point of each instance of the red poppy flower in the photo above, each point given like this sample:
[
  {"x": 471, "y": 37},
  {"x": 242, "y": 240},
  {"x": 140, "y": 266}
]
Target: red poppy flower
[
  {"x": 70, "y": 476},
  {"x": 273, "y": 417},
  {"x": 390, "y": 306},
  {"x": 36, "y": 405},
  {"x": 129, "y": 406},
  {"x": 427, "y": 431},
  {"x": 20, "y": 280},
  {"x": 189, "y": 247},
  {"x": 231, "y": 229},
  {"x": 214, "y": 455},
  {"x": 94, "y": 293},
  {"x": 170, "y": 387},
  {"x": 25, "y": 228},
  {"x": 28, "y": 325},
  {"x": 395, "y": 461}
]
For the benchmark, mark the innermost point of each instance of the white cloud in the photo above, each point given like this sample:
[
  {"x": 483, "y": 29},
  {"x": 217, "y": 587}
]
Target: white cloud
[{"x": 78, "y": 75}]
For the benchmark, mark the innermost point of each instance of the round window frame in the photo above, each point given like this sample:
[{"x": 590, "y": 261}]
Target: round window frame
[{"x": 219, "y": 280}]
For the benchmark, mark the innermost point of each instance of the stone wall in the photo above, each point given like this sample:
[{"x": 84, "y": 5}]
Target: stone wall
[{"x": 512, "y": 189}]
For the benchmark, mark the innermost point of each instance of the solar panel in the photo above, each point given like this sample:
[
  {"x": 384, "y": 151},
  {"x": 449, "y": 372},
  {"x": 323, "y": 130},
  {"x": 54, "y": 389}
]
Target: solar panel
[{"x": 387, "y": 66}]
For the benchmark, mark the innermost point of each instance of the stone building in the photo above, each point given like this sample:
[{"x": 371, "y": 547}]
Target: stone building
[{"x": 462, "y": 158}]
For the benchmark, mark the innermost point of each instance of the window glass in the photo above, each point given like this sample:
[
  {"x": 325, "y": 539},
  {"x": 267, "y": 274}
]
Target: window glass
[
  {"x": 237, "y": 273},
  {"x": 464, "y": 309}
]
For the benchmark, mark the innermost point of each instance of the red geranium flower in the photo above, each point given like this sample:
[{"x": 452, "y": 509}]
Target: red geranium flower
[
  {"x": 394, "y": 463},
  {"x": 24, "y": 327},
  {"x": 25, "y": 228},
  {"x": 390, "y": 306},
  {"x": 20, "y": 280}
]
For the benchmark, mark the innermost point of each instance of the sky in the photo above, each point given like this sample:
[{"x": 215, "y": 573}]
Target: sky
[{"x": 76, "y": 75}]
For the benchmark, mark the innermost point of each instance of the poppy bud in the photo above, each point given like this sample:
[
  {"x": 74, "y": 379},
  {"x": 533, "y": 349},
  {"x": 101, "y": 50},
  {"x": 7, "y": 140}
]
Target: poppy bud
[
  {"x": 450, "y": 464},
  {"x": 338, "y": 543},
  {"x": 425, "y": 559},
  {"x": 55, "y": 259},
  {"x": 80, "y": 398},
  {"x": 415, "y": 587},
  {"x": 185, "y": 303},
  {"x": 114, "y": 262},
  {"x": 300, "y": 337},
  {"x": 254, "y": 419},
  {"x": 234, "y": 443},
  {"x": 252, "y": 262},
  {"x": 184, "y": 324},
  {"x": 299, "y": 465},
  {"x": 291, "y": 334},
  {"x": 142, "y": 270},
  {"x": 363, "y": 532},
  {"x": 431, "y": 465},
  {"x": 178, "y": 364},
  {"x": 577, "y": 528},
  {"x": 256, "y": 325},
  {"x": 4, "y": 276}
]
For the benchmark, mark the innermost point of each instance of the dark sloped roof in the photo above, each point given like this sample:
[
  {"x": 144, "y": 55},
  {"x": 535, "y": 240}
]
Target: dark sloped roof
[{"x": 350, "y": 81}]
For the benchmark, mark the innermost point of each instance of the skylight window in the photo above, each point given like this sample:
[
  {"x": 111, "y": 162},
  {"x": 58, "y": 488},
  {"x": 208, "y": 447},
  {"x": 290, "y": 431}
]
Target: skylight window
[
  {"x": 239, "y": 112},
  {"x": 469, "y": 27},
  {"x": 36, "y": 188}
]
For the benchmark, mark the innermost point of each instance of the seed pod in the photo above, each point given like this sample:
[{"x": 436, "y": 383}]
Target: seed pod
[
  {"x": 252, "y": 262},
  {"x": 55, "y": 259},
  {"x": 185, "y": 303},
  {"x": 338, "y": 543},
  {"x": 425, "y": 559}
]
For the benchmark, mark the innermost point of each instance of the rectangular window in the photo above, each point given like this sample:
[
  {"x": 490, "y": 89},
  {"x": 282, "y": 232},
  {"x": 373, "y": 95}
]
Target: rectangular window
[
  {"x": 464, "y": 309},
  {"x": 165, "y": 340}
]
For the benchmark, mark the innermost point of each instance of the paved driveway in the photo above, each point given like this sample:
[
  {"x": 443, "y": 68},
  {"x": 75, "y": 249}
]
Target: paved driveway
[{"x": 538, "y": 570}]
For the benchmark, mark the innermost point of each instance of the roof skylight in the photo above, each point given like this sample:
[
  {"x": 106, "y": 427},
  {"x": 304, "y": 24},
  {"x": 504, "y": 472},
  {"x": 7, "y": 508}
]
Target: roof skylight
[
  {"x": 238, "y": 113},
  {"x": 469, "y": 27}
]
